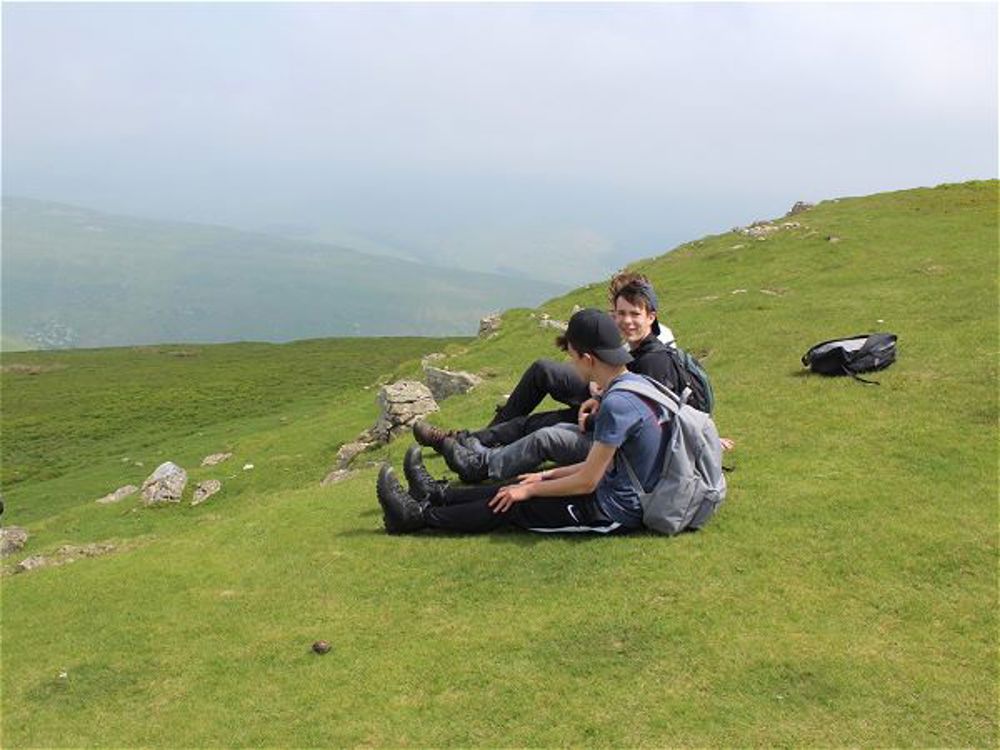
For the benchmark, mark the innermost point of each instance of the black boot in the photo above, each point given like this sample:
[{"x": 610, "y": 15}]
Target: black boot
[
  {"x": 429, "y": 435},
  {"x": 400, "y": 512},
  {"x": 423, "y": 487},
  {"x": 470, "y": 466}
]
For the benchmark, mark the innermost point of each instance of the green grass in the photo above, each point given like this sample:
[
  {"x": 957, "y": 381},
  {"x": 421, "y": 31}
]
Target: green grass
[{"x": 845, "y": 595}]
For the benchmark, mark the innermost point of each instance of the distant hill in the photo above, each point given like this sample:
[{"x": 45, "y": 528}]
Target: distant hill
[{"x": 77, "y": 277}]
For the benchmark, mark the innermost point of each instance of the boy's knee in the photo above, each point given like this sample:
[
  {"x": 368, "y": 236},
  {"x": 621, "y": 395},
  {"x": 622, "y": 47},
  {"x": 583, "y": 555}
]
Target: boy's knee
[{"x": 542, "y": 370}]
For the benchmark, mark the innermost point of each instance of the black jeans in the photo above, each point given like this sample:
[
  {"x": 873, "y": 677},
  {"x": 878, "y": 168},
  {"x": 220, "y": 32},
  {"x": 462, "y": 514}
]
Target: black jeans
[
  {"x": 544, "y": 377},
  {"x": 467, "y": 509}
]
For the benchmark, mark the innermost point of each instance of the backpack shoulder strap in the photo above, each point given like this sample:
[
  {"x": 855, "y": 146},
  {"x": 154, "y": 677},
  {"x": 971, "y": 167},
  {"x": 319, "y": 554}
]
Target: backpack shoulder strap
[{"x": 654, "y": 391}]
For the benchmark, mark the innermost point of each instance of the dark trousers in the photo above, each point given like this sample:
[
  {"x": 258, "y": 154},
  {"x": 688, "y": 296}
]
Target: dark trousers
[
  {"x": 544, "y": 377},
  {"x": 467, "y": 510}
]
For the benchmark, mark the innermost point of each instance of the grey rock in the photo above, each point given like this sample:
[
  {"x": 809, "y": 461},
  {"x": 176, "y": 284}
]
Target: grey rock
[
  {"x": 31, "y": 563},
  {"x": 72, "y": 552},
  {"x": 434, "y": 357},
  {"x": 337, "y": 475},
  {"x": 489, "y": 325},
  {"x": 833, "y": 238},
  {"x": 205, "y": 490},
  {"x": 118, "y": 495},
  {"x": 402, "y": 403},
  {"x": 799, "y": 207},
  {"x": 215, "y": 459},
  {"x": 12, "y": 539},
  {"x": 349, "y": 450},
  {"x": 760, "y": 229},
  {"x": 165, "y": 485},
  {"x": 547, "y": 322},
  {"x": 445, "y": 383}
]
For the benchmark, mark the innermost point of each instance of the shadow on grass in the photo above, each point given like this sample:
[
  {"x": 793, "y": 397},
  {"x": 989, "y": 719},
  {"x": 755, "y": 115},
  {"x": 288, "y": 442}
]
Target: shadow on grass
[{"x": 505, "y": 535}]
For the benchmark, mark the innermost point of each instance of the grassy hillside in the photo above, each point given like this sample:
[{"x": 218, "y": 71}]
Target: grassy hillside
[
  {"x": 76, "y": 277},
  {"x": 845, "y": 595}
]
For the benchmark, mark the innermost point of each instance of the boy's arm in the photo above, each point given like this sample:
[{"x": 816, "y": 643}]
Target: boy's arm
[
  {"x": 553, "y": 473},
  {"x": 583, "y": 480}
]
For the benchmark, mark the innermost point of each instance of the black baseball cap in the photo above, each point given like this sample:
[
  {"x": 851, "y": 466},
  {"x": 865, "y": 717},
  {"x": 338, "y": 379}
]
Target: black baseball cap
[{"x": 591, "y": 331}]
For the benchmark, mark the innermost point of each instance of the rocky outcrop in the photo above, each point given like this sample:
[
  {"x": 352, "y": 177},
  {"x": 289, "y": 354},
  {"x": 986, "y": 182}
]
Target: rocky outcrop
[
  {"x": 165, "y": 485},
  {"x": 68, "y": 553},
  {"x": 489, "y": 325},
  {"x": 761, "y": 230},
  {"x": 348, "y": 451},
  {"x": 546, "y": 321},
  {"x": 118, "y": 495},
  {"x": 337, "y": 475},
  {"x": 205, "y": 490},
  {"x": 402, "y": 403},
  {"x": 445, "y": 383},
  {"x": 799, "y": 207},
  {"x": 12, "y": 540},
  {"x": 31, "y": 563}
]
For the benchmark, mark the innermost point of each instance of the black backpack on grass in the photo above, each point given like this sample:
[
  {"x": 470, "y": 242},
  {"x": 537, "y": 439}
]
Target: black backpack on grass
[{"x": 865, "y": 352}]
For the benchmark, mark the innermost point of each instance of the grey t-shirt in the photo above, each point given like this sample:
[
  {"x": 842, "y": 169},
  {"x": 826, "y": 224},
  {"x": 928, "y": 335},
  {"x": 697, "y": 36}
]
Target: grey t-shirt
[{"x": 630, "y": 424}]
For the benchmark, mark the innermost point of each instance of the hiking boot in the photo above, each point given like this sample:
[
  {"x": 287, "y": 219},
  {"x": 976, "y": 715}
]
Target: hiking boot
[
  {"x": 400, "y": 512},
  {"x": 423, "y": 487},
  {"x": 466, "y": 440},
  {"x": 470, "y": 466},
  {"x": 429, "y": 435}
]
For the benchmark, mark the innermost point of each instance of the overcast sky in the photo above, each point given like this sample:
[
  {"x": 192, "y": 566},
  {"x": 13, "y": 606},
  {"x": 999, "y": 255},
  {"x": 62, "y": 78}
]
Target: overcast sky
[{"x": 616, "y": 129}]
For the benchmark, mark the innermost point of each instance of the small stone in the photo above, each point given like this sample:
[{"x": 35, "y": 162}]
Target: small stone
[
  {"x": 205, "y": 490},
  {"x": 337, "y": 475},
  {"x": 321, "y": 647},
  {"x": 31, "y": 563},
  {"x": 489, "y": 325},
  {"x": 247, "y": 467},
  {"x": 12, "y": 539},
  {"x": 739, "y": 291},
  {"x": 833, "y": 238},
  {"x": 445, "y": 383},
  {"x": 434, "y": 357},
  {"x": 165, "y": 485},
  {"x": 215, "y": 459},
  {"x": 349, "y": 450},
  {"x": 118, "y": 495}
]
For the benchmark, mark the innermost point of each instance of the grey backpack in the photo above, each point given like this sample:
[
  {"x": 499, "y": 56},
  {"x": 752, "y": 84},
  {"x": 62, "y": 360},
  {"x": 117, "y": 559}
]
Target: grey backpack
[{"x": 691, "y": 486}]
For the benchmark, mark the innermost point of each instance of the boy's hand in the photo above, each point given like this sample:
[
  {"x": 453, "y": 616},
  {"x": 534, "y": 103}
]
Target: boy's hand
[
  {"x": 508, "y": 495},
  {"x": 588, "y": 407}
]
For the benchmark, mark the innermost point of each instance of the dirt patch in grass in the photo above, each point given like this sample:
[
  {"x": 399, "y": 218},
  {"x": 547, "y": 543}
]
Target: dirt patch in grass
[{"x": 23, "y": 369}]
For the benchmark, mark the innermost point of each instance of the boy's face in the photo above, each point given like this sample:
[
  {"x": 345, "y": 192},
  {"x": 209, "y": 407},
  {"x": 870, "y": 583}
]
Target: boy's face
[{"x": 634, "y": 321}]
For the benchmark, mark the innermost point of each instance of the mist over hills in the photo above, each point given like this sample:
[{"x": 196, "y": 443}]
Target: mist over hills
[{"x": 73, "y": 276}]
